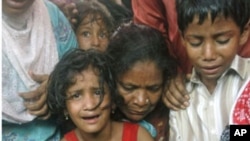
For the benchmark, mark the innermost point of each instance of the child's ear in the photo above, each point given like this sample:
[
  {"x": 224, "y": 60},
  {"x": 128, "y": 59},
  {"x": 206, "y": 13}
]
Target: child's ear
[
  {"x": 113, "y": 107},
  {"x": 245, "y": 34},
  {"x": 66, "y": 114}
]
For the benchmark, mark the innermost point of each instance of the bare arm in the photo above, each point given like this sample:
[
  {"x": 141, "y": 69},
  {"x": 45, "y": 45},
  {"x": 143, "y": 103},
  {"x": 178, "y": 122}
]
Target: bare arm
[{"x": 144, "y": 135}]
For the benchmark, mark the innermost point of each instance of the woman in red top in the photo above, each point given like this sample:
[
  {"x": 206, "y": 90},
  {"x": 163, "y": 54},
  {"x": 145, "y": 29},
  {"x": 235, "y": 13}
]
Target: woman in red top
[{"x": 81, "y": 86}]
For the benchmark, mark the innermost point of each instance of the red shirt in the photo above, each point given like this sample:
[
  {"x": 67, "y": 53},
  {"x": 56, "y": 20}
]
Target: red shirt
[{"x": 130, "y": 131}]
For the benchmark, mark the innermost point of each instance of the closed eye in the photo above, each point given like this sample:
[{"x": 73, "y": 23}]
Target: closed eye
[
  {"x": 194, "y": 41},
  {"x": 223, "y": 41},
  {"x": 154, "y": 88},
  {"x": 127, "y": 88}
]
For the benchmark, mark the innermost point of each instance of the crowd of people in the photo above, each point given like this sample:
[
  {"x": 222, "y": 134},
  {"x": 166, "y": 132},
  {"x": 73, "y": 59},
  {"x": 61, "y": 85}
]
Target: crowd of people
[{"x": 130, "y": 70}]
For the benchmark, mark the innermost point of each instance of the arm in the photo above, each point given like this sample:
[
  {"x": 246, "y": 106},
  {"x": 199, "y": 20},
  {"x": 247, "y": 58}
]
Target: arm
[{"x": 143, "y": 135}]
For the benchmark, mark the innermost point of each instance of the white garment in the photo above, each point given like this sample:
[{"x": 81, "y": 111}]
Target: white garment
[
  {"x": 29, "y": 47},
  {"x": 208, "y": 114}
]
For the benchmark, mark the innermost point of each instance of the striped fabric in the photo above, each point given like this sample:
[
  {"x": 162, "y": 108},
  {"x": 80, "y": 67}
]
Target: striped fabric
[{"x": 208, "y": 114}]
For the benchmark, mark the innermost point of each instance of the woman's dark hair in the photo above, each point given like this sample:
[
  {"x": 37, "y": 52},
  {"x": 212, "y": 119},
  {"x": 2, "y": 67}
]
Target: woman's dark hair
[
  {"x": 71, "y": 64},
  {"x": 133, "y": 43},
  {"x": 96, "y": 11},
  {"x": 238, "y": 10}
]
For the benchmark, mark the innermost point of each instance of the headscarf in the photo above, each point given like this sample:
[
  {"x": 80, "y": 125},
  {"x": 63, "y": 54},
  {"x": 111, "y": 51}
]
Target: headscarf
[{"x": 28, "y": 44}]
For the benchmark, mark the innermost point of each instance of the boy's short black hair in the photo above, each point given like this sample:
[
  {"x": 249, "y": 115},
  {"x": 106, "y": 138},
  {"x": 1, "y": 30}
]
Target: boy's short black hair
[{"x": 238, "y": 10}]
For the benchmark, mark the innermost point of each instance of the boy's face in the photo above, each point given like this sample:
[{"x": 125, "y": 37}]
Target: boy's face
[
  {"x": 82, "y": 97},
  {"x": 212, "y": 46},
  {"x": 92, "y": 34}
]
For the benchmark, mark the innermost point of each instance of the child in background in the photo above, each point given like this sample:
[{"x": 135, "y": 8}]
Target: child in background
[
  {"x": 212, "y": 32},
  {"x": 82, "y": 87},
  {"x": 94, "y": 25},
  {"x": 94, "y": 21}
]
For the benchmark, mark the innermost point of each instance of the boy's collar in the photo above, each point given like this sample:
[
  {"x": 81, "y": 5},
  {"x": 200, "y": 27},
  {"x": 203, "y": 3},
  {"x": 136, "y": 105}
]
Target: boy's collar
[{"x": 239, "y": 65}]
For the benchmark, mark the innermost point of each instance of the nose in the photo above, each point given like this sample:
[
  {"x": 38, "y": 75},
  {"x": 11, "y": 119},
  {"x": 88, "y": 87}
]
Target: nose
[
  {"x": 89, "y": 102},
  {"x": 141, "y": 99},
  {"x": 95, "y": 42},
  {"x": 209, "y": 51}
]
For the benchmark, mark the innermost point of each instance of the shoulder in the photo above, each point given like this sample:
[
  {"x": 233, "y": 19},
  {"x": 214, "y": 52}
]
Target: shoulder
[
  {"x": 143, "y": 134},
  {"x": 70, "y": 136}
]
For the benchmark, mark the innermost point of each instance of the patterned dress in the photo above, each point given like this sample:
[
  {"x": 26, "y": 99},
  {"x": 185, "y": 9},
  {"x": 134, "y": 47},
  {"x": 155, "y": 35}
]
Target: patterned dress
[{"x": 240, "y": 113}]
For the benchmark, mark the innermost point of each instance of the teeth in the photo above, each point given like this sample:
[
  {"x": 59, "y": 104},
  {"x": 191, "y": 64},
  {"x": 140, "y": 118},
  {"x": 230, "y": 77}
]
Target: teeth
[{"x": 90, "y": 117}]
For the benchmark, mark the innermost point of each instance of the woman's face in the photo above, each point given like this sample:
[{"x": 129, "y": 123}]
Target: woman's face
[
  {"x": 141, "y": 87},
  {"x": 82, "y": 99},
  {"x": 16, "y": 7}
]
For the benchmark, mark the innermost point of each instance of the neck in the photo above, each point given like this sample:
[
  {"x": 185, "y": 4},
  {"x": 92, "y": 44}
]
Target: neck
[
  {"x": 210, "y": 84},
  {"x": 18, "y": 22}
]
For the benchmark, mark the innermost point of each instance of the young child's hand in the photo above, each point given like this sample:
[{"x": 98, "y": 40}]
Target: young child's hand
[
  {"x": 35, "y": 101},
  {"x": 176, "y": 96}
]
